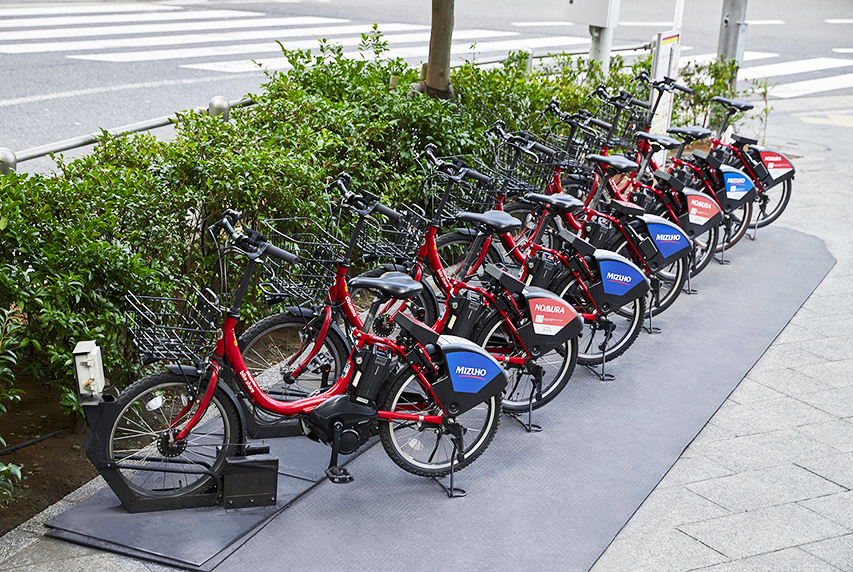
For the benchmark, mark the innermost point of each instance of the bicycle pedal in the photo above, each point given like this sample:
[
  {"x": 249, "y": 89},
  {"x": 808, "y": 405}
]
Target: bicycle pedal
[
  {"x": 260, "y": 449},
  {"x": 339, "y": 475}
]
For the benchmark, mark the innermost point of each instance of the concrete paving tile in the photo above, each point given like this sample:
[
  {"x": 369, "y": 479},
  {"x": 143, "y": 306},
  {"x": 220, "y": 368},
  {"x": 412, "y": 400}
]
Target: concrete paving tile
[
  {"x": 767, "y": 487},
  {"x": 693, "y": 467},
  {"x": 756, "y": 532},
  {"x": 837, "y": 508},
  {"x": 753, "y": 452},
  {"x": 769, "y": 415},
  {"x": 749, "y": 391},
  {"x": 713, "y": 432},
  {"x": 794, "y": 333},
  {"x": 660, "y": 550},
  {"x": 45, "y": 552},
  {"x": 826, "y": 305},
  {"x": 788, "y": 381},
  {"x": 833, "y": 374},
  {"x": 780, "y": 356},
  {"x": 836, "y": 468},
  {"x": 15, "y": 541},
  {"x": 787, "y": 560},
  {"x": 836, "y": 348},
  {"x": 667, "y": 508},
  {"x": 837, "y": 401},
  {"x": 837, "y": 434},
  {"x": 835, "y": 551},
  {"x": 87, "y": 563}
]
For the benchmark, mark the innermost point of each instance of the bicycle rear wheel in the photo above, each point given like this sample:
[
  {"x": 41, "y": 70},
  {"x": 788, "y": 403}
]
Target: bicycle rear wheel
[
  {"x": 152, "y": 410},
  {"x": 426, "y": 449},
  {"x": 558, "y": 365},
  {"x": 772, "y": 202}
]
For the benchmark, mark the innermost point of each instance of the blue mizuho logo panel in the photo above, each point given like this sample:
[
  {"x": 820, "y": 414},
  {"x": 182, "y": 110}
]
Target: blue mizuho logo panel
[
  {"x": 737, "y": 184},
  {"x": 668, "y": 239},
  {"x": 470, "y": 372},
  {"x": 618, "y": 278}
]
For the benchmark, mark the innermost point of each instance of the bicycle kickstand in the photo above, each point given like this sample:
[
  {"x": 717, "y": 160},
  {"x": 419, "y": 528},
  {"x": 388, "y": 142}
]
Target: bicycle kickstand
[
  {"x": 456, "y": 438},
  {"x": 692, "y": 266},
  {"x": 336, "y": 474},
  {"x": 603, "y": 347},
  {"x": 535, "y": 391},
  {"x": 722, "y": 259},
  {"x": 754, "y": 230},
  {"x": 654, "y": 299}
]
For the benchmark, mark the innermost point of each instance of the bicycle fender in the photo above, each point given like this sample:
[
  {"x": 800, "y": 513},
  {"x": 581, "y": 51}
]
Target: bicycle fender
[{"x": 466, "y": 231}]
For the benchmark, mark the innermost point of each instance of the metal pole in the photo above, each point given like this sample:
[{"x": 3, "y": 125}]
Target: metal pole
[
  {"x": 679, "y": 15},
  {"x": 733, "y": 31},
  {"x": 8, "y": 161},
  {"x": 599, "y": 47}
]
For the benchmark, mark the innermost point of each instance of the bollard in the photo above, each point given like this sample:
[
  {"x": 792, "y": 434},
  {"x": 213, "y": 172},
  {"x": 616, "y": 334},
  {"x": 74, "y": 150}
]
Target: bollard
[
  {"x": 8, "y": 161},
  {"x": 219, "y": 106},
  {"x": 528, "y": 63}
]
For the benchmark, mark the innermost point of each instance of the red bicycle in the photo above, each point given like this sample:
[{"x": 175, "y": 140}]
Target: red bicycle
[{"x": 433, "y": 401}]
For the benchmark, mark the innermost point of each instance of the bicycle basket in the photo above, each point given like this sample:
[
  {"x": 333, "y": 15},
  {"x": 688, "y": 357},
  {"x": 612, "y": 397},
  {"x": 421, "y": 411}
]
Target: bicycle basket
[
  {"x": 319, "y": 254},
  {"x": 395, "y": 240},
  {"x": 631, "y": 121},
  {"x": 524, "y": 171},
  {"x": 174, "y": 329},
  {"x": 466, "y": 195}
]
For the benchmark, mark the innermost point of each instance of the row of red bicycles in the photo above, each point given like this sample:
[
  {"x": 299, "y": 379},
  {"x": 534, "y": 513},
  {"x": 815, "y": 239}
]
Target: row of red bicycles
[{"x": 557, "y": 251}]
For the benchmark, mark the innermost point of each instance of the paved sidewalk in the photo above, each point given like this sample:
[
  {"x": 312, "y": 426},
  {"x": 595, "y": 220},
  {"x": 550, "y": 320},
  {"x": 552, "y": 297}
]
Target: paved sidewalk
[{"x": 766, "y": 485}]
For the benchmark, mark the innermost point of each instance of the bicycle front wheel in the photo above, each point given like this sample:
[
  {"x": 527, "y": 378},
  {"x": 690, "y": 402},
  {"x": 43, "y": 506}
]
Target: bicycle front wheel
[
  {"x": 277, "y": 351},
  {"x": 155, "y": 408},
  {"x": 425, "y": 449}
]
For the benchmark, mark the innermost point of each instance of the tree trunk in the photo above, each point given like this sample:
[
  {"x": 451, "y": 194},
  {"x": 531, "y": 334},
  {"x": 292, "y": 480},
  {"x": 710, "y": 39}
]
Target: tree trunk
[{"x": 437, "y": 80}]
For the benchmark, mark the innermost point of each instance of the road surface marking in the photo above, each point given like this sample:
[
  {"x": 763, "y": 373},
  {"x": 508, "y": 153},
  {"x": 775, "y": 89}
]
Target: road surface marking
[
  {"x": 124, "y": 18},
  {"x": 150, "y": 41},
  {"x": 51, "y": 34},
  {"x": 70, "y": 9},
  {"x": 791, "y": 68},
  {"x": 268, "y": 47},
  {"x": 281, "y": 63},
  {"x": 800, "y": 88}
]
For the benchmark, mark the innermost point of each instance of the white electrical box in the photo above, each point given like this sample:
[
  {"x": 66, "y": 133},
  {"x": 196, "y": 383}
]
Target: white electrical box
[
  {"x": 89, "y": 369},
  {"x": 599, "y": 13}
]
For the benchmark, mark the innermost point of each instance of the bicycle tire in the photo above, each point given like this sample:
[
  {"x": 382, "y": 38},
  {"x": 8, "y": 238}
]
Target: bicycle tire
[
  {"x": 269, "y": 348},
  {"x": 427, "y": 450},
  {"x": 149, "y": 408},
  {"x": 783, "y": 190},
  {"x": 628, "y": 321},
  {"x": 559, "y": 365},
  {"x": 413, "y": 307}
]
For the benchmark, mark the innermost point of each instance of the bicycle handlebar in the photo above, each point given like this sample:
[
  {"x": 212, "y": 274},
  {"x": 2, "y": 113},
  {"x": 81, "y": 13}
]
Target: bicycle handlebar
[{"x": 250, "y": 241}]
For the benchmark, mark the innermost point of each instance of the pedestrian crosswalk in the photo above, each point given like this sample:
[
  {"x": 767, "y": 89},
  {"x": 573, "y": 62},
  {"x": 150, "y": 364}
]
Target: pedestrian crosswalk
[{"x": 227, "y": 39}]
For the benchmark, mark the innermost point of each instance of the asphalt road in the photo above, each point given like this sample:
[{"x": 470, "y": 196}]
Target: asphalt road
[{"x": 71, "y": 68}]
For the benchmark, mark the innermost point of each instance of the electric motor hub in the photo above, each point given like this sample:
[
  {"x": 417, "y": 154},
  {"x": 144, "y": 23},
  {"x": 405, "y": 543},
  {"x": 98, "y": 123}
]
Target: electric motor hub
[{"x": 170, "y": 447}]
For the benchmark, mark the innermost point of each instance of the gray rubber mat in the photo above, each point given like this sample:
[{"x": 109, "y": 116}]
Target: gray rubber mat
[
  {"x": 212, "y": 532},
  {"x": 536, "y": 501},
  {"x": 554, "y": 500}
]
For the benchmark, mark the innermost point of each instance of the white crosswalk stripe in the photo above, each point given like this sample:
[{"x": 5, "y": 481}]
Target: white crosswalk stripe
[
  {"x": 792, "y": 68},
  {"x": 556, "y": 44},
  {"x": 269, "y": 47},
  {"x": 122, "y": 18}
]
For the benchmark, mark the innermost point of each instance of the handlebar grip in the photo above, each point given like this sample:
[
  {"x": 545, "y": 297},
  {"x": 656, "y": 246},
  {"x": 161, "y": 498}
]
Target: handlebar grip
[
  {"x": 640, "y": 103},
  {"x": 387, "y": 211},
  {"x": 540, "y": 148},
  {"x": 599, "y": 123},
  {"x": 477, "y": 176},
  {"x": 281, "y": 254},
  {"x": 682, "y": 88}
]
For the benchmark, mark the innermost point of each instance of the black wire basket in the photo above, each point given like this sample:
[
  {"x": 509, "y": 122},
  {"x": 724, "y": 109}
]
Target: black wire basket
[
  {"x": 523, "y": 170},
  {"x": 465, "y": 195},
  {"x": 384, "y": 239},
  {"x": 181, "y": 330},
  {"x": 319, "y": 252}
]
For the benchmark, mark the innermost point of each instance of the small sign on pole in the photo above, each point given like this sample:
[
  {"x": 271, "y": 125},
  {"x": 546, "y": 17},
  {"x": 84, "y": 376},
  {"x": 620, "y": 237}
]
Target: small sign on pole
[{"x": 665, "y": 64}]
